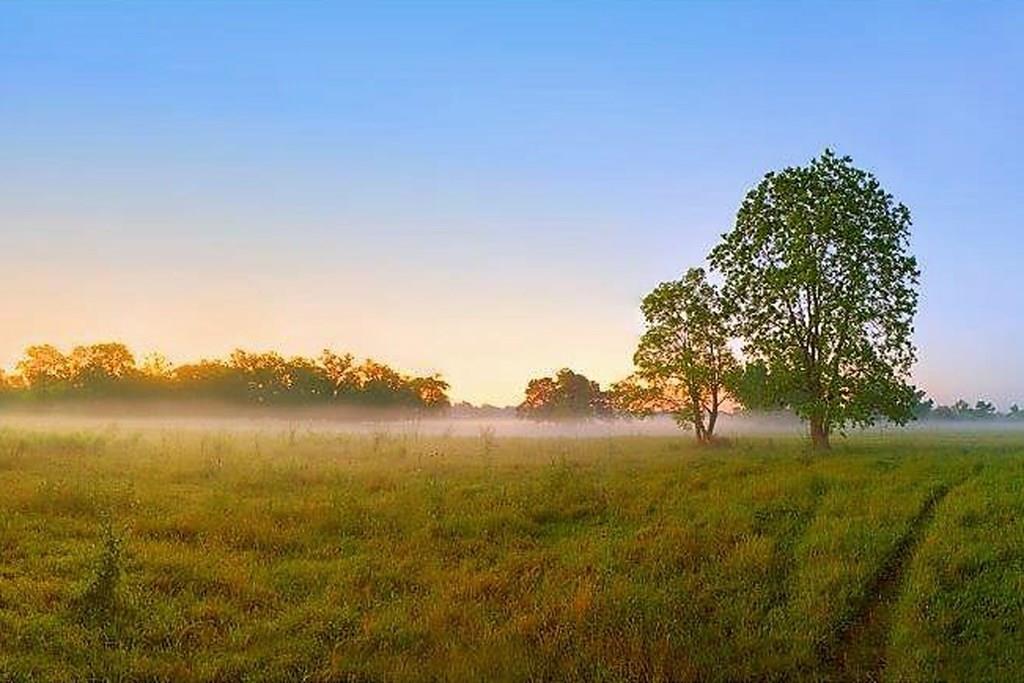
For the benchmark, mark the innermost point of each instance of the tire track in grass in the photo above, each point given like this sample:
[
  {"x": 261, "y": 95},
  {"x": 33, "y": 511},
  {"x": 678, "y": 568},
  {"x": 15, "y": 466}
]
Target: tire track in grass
[{"x": 858, "y": 650}]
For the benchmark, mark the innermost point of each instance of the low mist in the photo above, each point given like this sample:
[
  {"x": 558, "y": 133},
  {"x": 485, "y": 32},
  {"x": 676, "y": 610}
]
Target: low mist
[{"x": 499, "y": 423}]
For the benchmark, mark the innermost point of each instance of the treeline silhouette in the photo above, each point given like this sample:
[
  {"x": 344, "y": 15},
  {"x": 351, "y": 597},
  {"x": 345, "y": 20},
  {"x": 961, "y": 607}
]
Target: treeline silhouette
[
  {"x": 571, "y": 395},
  {"x": 110, "y": 372},
  {"x": 962, "y": 410}
]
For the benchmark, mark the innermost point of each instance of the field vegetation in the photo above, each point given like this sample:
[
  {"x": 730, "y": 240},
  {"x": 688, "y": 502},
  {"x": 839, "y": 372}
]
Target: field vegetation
[{"x": 201, "y": 556}]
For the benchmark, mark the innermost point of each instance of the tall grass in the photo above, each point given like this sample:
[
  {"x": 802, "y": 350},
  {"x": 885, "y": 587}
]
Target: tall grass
[
  {"x": 961, "y": 614},
  {"x": 397, "y": 557}
]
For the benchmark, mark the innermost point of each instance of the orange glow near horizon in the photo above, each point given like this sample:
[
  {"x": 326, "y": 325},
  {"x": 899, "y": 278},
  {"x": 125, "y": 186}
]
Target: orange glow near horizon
[{"x": 486, "y": 343}]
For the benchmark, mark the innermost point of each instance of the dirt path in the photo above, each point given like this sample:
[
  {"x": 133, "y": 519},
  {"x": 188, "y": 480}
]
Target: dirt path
[{"x": 859, "y": 652}]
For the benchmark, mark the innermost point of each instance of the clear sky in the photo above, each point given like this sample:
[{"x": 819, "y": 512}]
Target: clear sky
[{"x": 481, "y": 189}]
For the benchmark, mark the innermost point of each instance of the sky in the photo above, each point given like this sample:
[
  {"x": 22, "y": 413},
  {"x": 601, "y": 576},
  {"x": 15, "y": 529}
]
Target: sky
[{"x": 485, "y": 190}]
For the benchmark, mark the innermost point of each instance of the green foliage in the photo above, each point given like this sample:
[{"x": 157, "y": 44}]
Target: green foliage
[
  {"x": 752, "y": 388},
  {"x": 683, "y": 357},
  {"x": 817, "y": 267},
  {"x": 567, "y": 395},
  {"x": 109, "y": 371}
]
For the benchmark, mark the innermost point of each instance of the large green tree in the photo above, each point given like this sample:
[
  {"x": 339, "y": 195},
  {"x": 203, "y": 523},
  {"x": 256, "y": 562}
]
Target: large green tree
[
  {"x": 825, "y": 289},
  {"x": 683, "y": 360}
]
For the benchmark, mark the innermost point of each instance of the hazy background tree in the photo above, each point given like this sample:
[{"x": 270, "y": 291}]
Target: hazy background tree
[
  {"x": 984, "y": 409},
  {"x": 100, "y": 370},
  {"x": 338, "y": 369},
  {"x": 962, "y": 410},
  {"x": 431, "y": 391},
  {"x": 378, "y": 384},
  {"x": 825, "y": 290},
  {"x": 683, "y": 359},
  {"x": 7, "y": 384},
  {"x": 923, "y": 408},
  {"x": 156, "y": 369},
  {"x": 44, "y": 370},
  {"x": 567, "y": 395},
  {"x": 305, "y": 381},
  {"x": 212, "y": 380}
]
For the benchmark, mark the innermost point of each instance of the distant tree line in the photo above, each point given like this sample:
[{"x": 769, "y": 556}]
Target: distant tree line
[
  {"x": 109, "y": 371},
  {"x": 926, "y": 409}
]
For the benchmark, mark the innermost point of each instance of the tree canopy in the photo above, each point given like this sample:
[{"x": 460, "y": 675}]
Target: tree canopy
[
  {"x": 818, "y": 269},
  {"x": 567, "y": 395},
  {"x": 683, "y": 360},
  {"x": 110, "y": 371}
]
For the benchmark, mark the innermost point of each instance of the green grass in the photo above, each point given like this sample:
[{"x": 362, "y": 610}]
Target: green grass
[
  {"x": 961, "y": 614},
  {"x": 199, "y": 556}
]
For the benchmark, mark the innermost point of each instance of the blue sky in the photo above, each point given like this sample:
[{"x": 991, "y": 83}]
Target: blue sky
[{"x": 483, "y": 189}]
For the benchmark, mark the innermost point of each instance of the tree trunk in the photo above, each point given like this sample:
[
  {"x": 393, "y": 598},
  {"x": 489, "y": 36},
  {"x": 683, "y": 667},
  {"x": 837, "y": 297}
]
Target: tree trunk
[
  {"x": 819, "y": 434},
  {"x": 698, "y": 425},
  {"x": 710, "y": 431},
  {"x": 698, "y": 430}
]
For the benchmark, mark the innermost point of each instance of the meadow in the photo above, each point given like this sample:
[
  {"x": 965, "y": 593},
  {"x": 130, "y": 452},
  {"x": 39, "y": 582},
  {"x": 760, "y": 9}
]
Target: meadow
[{"x": 178, "y": 555}]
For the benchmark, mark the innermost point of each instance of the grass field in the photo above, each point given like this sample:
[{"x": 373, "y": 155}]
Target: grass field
[{"x": 185, "y": 556}]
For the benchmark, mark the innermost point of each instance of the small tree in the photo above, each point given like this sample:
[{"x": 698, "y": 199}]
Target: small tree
[
  {"x": 567, "y": 395},
  {"x": 683, "y": 360},
  {"x": 818, "y": 268},
  {"x": 432, "y": 392}
]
